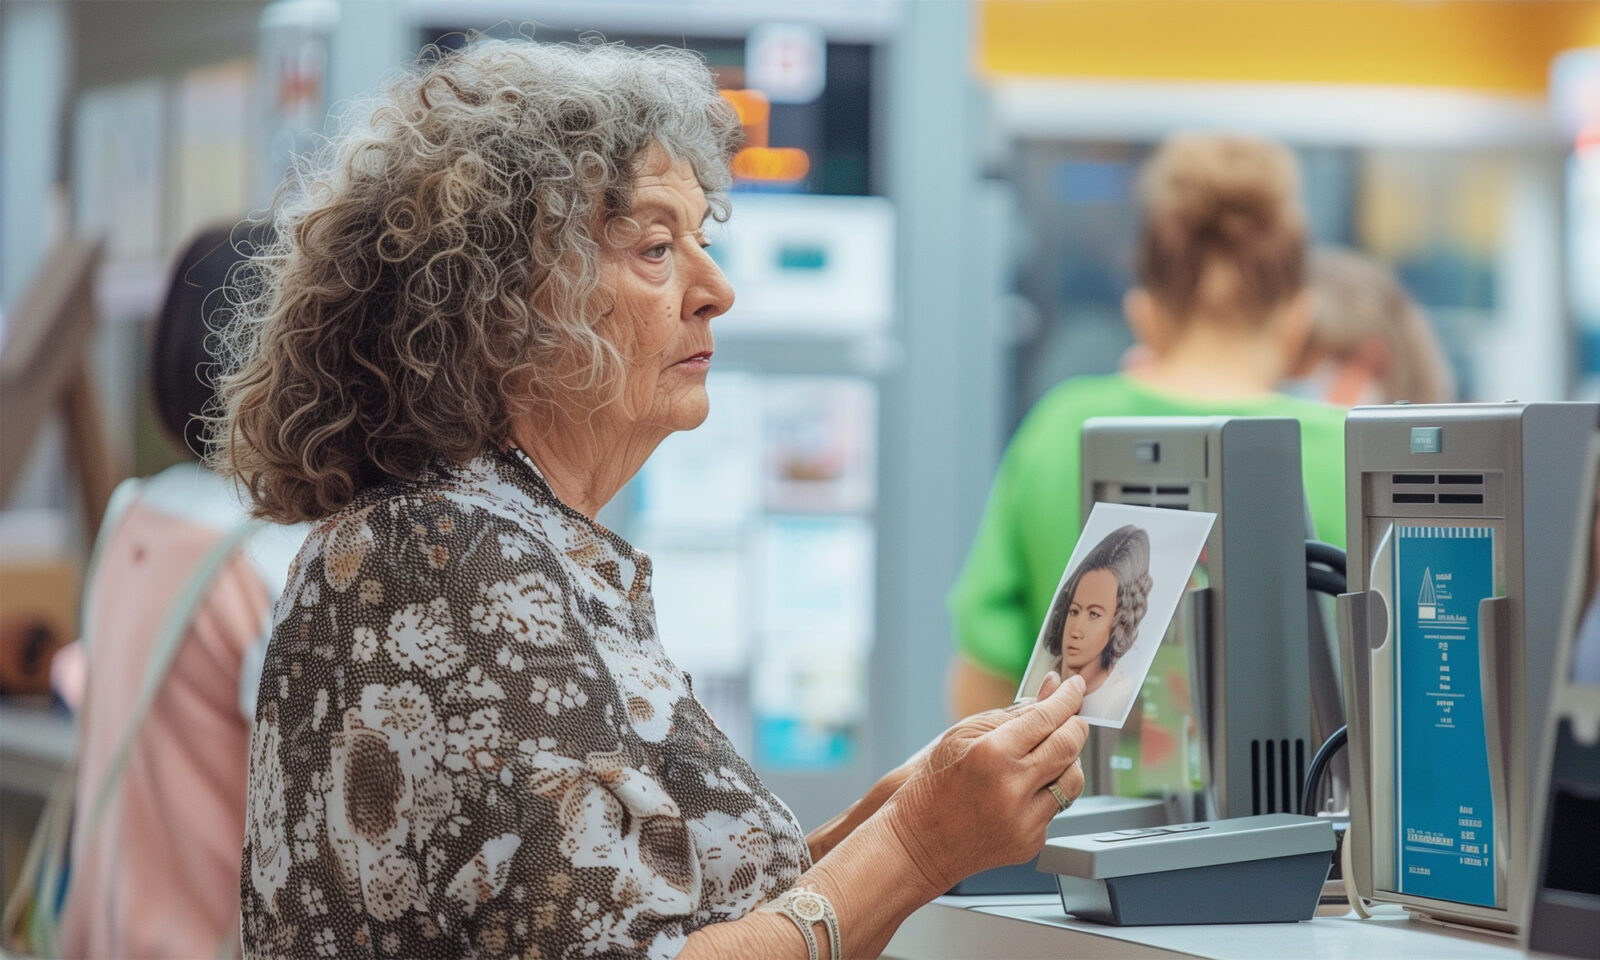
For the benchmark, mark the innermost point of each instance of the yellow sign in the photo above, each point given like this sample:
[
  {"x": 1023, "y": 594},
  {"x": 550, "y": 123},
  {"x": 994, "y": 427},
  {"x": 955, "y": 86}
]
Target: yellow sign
[{"x": 1500, "y": 46}]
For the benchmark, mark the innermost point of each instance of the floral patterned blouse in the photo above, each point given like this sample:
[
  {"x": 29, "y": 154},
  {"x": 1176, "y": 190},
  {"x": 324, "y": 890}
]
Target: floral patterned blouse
[{"x": 470, "y": 742}]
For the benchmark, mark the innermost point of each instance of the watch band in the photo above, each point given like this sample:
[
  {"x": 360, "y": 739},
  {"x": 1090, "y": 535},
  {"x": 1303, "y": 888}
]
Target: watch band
[{"x": 806, "y": 908}]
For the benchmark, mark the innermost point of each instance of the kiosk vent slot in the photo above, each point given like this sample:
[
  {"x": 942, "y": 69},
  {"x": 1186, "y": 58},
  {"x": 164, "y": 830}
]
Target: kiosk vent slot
[
  {"x": 1283, "y": 748},
  {"x": 1169, "y": 497},
  {"x": 1255, "y": 778},
  {"x": 1277, "y": 773},
  {"x": 1299, "y": 774},
  {"x": 1414, "y": 488}
]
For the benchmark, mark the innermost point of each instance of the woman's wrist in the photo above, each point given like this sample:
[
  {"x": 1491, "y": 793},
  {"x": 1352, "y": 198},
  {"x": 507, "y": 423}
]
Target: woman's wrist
[
  {"x": 823, "y": 839},
  {"x": 891, "y": 854}
]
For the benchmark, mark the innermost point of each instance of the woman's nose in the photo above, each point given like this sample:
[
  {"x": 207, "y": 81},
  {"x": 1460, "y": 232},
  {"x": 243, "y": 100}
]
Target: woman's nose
[{"x": 710, "y": 295}]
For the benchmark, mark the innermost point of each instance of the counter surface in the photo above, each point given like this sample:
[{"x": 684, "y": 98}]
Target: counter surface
[{"x": 1035, "y": 928}]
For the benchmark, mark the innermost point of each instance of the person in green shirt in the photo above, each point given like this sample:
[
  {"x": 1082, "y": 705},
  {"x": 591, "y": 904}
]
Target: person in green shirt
[{"x": 1221, "y": 314}]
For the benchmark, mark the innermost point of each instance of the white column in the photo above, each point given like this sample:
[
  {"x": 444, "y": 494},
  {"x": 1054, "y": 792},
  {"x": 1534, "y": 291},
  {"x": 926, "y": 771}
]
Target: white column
[
  {"x": 1527, "y": 353},
  {"x": 942, "y": 412},
  {"x": 373, "y": 37},
  {"x": 35, "y": 56}
]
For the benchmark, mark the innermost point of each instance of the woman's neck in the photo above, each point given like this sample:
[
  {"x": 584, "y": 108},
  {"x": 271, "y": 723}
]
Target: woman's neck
[
  {"x": 1211, "y": 362},
  {"x": 584, "y": 463}
]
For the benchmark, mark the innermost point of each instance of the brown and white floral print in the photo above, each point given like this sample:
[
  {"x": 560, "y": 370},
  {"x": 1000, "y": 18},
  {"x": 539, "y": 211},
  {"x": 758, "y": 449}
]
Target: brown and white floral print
[{"x": 470, "y": 742}]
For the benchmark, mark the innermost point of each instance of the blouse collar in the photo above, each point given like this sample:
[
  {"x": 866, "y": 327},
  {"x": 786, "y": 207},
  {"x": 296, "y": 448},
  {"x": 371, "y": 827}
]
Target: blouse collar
[{"x": 542, "y": 492}]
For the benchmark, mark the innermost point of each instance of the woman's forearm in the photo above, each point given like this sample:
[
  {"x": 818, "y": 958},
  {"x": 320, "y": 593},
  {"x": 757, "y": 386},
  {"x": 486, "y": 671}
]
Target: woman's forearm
[
  {"x": 871, "y": 882},
  {"x": 823, "y": 839}
]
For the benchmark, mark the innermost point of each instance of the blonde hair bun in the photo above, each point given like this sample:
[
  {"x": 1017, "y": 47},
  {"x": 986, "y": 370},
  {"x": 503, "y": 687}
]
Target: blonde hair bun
[{"x": 1224, "y": 228}]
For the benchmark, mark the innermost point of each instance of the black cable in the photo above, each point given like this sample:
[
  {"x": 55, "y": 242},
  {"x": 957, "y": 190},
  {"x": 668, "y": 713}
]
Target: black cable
[
  {"x": 1325, "y": 573},
  {"x": 1326, "y": 554},
  {"x": 1331, "y": 582},
  {"x": 1309, "y": 800}
]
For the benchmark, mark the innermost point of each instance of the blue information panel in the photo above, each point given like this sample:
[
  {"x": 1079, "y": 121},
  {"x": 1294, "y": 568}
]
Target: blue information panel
[{"x": 1444, "y": 831}]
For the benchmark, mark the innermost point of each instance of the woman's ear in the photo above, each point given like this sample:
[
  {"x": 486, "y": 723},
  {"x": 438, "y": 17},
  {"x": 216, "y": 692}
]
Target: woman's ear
[{"x": 1147, "y": 321}]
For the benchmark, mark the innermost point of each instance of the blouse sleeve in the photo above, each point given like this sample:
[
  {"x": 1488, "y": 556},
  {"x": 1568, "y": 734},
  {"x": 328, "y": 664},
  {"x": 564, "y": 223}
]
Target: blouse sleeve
[{"x": 440, "y": 765}]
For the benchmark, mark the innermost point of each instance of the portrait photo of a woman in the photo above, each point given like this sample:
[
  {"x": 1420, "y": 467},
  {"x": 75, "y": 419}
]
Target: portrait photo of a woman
[{"x": 1095, "y": 618}]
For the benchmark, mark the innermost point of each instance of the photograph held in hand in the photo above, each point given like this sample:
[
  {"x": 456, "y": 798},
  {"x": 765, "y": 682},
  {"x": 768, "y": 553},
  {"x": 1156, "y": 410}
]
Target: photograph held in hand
[{"x": 1116, "y": 597}]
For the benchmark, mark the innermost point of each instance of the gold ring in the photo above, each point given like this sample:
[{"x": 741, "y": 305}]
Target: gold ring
[{"x": 1062, "y": 800}]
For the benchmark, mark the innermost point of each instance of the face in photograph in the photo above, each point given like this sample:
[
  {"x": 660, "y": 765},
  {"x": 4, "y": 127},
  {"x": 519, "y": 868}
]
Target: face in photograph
[
  {"x": 1114, "y": 602},
  {"x": 1096, "y": 616},
  {"x": 1086, "y": 634}
]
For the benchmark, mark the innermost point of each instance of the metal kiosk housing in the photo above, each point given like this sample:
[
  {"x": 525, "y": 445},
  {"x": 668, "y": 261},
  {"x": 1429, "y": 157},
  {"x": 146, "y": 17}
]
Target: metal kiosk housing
[
  {"x": 1241, "y": 631},
  {"x": 1516, "y": 468}
]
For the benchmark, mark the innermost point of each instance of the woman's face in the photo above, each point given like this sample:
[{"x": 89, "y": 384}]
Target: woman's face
[
  {"x": 1089, "y": 614},
  {"x": 667, "y": 291}
]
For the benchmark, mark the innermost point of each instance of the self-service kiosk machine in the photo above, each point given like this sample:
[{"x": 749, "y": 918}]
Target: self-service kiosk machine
[
  {"x": 1220, "y": 733},
  {"x": 1460, "y": 542},
  {"x": 1222, "y": 725}
]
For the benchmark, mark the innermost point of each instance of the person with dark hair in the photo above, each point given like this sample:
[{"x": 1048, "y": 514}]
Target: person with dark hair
[
  {"x": 176, "y": 607},
  {"x": 1221, "y": 313},
  {"x": 1095, "y": 619}
]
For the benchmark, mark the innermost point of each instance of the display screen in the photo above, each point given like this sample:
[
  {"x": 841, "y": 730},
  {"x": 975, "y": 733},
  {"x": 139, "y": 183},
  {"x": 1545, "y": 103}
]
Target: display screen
[
  {"x": 1445, "y": 824},
  {"x": 1158, "y": 751}
]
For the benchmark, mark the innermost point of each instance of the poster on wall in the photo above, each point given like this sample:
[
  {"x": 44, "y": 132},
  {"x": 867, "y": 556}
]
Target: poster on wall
[
  {"x": 817, "y": 576},
  {"x": 701, "y": 594},
  {"x": 293, "y": 77},
  {"x": 212, "y": 175},
  {"x": 706, "y": 481},
  {"x": 809, "y": 682},
  {"x": 809, "y": 697},
  {"x": 819, "y": 440},
  {"x": 118, "y": 172}
]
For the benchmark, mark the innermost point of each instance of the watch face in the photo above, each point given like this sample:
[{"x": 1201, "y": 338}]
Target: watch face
[{"x": 808, "y": 906}]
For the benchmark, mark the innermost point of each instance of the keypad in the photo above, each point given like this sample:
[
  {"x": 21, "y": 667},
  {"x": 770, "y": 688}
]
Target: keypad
[{"x": 1119, "y": 835}]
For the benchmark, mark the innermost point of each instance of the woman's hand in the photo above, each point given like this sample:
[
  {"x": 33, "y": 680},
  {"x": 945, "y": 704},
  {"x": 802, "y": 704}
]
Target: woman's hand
[
  {"x": 979, "y": 797},
  {"x": 828, "y": 836},
  {"x": 975, "y": 798}
]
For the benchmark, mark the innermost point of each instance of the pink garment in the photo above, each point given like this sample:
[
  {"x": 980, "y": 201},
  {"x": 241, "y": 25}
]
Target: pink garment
[{"x": 160, "y": 876}]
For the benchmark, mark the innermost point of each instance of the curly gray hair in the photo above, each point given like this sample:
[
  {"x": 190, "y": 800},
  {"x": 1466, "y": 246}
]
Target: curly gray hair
[{"x": 437, "y": 267}]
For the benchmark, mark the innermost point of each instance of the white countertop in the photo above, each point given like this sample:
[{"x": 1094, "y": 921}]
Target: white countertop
[{"x": 1035, "y": 928}]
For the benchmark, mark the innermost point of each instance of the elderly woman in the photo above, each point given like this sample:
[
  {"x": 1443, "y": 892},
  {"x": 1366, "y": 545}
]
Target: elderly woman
[{"x": 487, "y": 307}]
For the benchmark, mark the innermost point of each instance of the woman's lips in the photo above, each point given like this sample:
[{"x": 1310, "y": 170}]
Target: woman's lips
[{"x": 699, "y": 360}]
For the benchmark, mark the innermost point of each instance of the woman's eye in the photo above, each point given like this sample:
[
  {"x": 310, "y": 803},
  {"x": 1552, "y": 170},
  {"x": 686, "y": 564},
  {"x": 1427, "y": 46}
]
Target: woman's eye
[
  {"x": 1094, "y": 615},
  {"x": 658, "y": 252}
]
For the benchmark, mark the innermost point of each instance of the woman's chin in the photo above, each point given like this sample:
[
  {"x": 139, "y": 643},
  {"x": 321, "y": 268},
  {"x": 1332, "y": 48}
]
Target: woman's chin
[{"x": 692, "y": 411}]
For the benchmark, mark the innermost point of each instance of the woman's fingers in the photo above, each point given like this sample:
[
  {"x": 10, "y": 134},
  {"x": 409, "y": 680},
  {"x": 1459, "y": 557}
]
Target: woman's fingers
[
  {"x": 1051, "y": 681},
  {"x": 1072, "y": 782},
  {"x": 1038, "y": 720},
  {"x": 1059, "y": 751}
]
